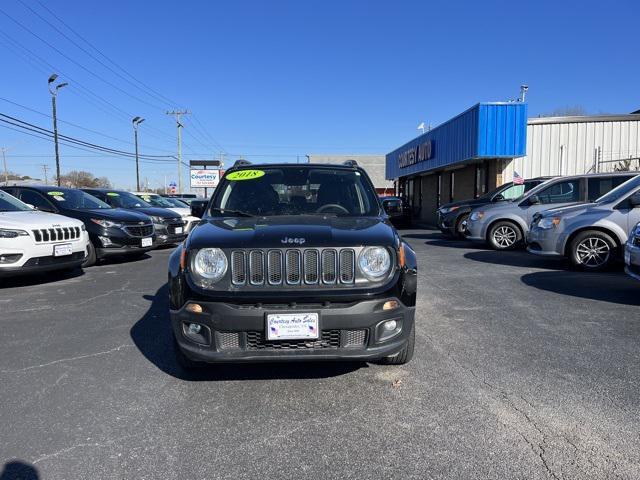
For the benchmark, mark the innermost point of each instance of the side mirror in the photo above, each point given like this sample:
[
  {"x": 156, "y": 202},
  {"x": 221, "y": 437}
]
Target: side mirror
[
  {"x": 198, "y": 208},
  {"x": 634, "y": 200},
  {"x": 534, "y": 200},
  {"x": 498, "y": 198}
]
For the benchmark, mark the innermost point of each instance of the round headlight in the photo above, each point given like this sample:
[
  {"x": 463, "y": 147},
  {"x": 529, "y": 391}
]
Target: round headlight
[
  {"x": 210, "y": 264},
  {"x": 374, "y": 262}
]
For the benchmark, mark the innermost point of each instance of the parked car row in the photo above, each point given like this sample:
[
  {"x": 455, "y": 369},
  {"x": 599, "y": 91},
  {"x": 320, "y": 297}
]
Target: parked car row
[
  {"x": 50, "y": 228},
  {"x": 589, "y": 219}
]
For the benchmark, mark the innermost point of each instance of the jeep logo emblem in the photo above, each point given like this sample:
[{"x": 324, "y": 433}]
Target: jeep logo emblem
[{"x": 297, "y": 241}]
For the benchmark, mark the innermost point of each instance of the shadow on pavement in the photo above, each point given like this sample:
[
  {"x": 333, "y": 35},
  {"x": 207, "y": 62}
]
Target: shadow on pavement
[
  {"x": 18, "y": 470},
  {"x": 606, "y": 287},
  {"x": 40, "y": 278},
  {"x": 517, "y": 258},
  {"x": 152, "y": 335},
  {"x": 438, "y": 239}
]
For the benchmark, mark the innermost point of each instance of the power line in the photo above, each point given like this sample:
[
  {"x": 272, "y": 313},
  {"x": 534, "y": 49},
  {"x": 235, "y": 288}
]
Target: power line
[
  {"x": 48, "y": 133},
  {"x": 168, "y": 100},
  {"x": 78, "y": 126},
  {"x": 91, "y": 72},
  {"x": 146, "y": 91}
]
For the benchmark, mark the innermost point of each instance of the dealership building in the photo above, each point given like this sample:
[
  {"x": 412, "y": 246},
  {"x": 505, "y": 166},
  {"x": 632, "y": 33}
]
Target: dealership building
[{"x": 484, "y": 146}]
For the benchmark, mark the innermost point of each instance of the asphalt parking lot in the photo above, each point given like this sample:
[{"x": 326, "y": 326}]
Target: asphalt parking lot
[{"x": 523, "y": 369}]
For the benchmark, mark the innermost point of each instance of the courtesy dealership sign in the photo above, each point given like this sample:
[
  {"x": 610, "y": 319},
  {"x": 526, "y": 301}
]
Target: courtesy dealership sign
[{"x": 204, "y": 178}]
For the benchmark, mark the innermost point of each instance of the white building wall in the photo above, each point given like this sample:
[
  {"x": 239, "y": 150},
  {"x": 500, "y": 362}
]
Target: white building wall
[{"x": 572, "y": 145}]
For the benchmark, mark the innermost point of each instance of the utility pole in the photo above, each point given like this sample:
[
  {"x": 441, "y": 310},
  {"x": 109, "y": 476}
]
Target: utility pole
[
  {"x": 6, "y": 172},
  {"x": 54, "y": 94},
  {"x": 44, "y": 169},
  {"x": 137, "y": 121},
  {"x": 178, "y": 114}
]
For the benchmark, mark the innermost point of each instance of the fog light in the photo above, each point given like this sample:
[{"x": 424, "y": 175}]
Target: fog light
[
  {"x": 10, "y": 257},
  {"x": 194, "y": 308},
  {"x": 194, "y": 328},
  {"x": 390, "y": 325},
  {"x": 106, "y": 241},
  {"x": 390, "y": 305}
]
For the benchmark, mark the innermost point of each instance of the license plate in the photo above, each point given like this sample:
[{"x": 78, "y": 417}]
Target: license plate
[
  {"x": 178, "y": 229},
  {"x": 147, "y": 242},
  {"x": 62, "y": 250},
  {"x": 292, "y": 326}
]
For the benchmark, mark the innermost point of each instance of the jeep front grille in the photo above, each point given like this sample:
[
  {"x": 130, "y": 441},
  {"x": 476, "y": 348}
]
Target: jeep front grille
[
  {"x": 56, "y": 234},
  {"x": 293, "y": 266}
]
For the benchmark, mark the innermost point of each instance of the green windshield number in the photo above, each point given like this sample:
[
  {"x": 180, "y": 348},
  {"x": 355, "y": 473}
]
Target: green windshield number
[{"x": 244, "y": 175}]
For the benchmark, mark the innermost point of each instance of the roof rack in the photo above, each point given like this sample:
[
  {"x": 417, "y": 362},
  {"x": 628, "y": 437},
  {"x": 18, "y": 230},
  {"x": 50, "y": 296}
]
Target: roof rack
[
  {"x": 241, "y": 163},
  {"x": 350, "y": 163}
]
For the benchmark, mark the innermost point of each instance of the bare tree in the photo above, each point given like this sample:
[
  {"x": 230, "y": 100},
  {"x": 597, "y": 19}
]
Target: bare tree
[{"x": 82, "y": 179}]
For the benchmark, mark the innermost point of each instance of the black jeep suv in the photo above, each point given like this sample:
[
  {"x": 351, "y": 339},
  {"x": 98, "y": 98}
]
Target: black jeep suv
[{"x": 293, "y": 262}]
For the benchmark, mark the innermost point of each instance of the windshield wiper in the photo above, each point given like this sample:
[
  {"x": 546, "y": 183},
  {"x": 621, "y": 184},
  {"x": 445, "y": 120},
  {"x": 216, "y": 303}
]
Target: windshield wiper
[{"x": 233, "y": 212}]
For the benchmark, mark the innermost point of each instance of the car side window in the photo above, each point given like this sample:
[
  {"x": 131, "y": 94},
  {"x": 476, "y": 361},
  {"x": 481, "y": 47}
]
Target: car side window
[
  {"x": 561, "y": 192},
  {"x": 36, "y": 199},
  {"x": 513, "y": 192},
  {"x": 603, "y": 185}
]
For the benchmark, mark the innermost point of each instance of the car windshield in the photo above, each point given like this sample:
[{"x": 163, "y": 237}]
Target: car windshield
[
  {"x": 270, "y": 191},
  {"x": 620, "y": 191},
  {"x": 126, "y": 200},
  {"x": 9, "y": 203},
  {"x": 176, "y": 202},
  {"x": 76, "y": 200},
  {"x": 156, "y": 201}
]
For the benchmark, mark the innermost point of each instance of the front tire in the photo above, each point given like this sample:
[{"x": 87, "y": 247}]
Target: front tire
[
  {"x": 592, "y": 250},
  {"x": 504, "y": 235},
  {"x": 460, "y": 225},
  {"x": 91, "y": 256},
  {"x": 406, "y": 354}
]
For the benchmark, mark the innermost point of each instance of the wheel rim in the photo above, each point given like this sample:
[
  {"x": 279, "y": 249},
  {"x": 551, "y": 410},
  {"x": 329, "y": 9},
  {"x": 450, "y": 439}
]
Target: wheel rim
[
  {"x": 593, "y": 252},
  {"x": 505, "y": 236},
  {"x": 462, "y": 225}
]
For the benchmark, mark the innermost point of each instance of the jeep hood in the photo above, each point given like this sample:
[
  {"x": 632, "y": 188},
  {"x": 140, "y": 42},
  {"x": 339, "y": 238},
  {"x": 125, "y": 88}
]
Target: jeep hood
[
  {"x": 25, "y": 220},
  {"x": 291, "y": 231}
]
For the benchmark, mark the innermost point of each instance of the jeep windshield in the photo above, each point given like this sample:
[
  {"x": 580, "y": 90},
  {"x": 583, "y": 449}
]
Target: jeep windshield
[{"x": 295, "y": 190}]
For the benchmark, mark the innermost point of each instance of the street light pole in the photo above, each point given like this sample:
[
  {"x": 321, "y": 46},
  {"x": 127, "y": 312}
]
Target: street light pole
[
  {"x": 137, "y": 121},
  {"x": 54, "y": 94},
  {"x": 6, "y": 172}
]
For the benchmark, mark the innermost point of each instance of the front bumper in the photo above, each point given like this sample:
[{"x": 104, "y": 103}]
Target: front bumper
[
  {"x": 446, "y": 223},
  {"x": 632, "y": 259},
  {"x": 475, "y": 231},
  {"x": 236, "y": 332},
  {"x": 546, "y": 242},
  {"x": 166, "y": 234},
  {"x": 44, "y": 264}
]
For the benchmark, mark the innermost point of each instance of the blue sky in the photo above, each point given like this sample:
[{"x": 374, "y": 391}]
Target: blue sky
[{"x": 273, "y": 80}]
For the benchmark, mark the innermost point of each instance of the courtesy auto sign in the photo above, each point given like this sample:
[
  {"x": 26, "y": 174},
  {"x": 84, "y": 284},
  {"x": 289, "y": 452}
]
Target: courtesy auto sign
[{"x": 204, "y": 178}]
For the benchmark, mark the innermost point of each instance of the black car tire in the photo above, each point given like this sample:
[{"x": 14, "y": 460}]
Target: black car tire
[
  {"x": 459, "y": 228},
  {"x": 91, "y": 257},
  {"x": 182, "y": 360},
  {"x": 504, "y": 235},
  {"x": 405, "y": 355},
  {"x": 593, "y": 250}
]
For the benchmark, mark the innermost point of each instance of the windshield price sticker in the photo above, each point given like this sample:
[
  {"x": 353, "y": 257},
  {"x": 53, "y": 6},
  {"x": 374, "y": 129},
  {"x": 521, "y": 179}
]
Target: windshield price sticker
[
  {"x": 245, "y": 175},
  {"x": 55, "y": 194},
  {"x": 112, "y": 194}
]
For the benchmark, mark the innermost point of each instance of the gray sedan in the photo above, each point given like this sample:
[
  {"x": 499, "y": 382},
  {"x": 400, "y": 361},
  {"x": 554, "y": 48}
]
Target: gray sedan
[{"x": 590, "y": 235}]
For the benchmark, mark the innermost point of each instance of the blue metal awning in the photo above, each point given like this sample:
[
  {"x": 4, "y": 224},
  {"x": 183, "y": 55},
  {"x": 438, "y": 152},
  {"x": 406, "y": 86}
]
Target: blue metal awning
[{"x": 486, "y": 130}]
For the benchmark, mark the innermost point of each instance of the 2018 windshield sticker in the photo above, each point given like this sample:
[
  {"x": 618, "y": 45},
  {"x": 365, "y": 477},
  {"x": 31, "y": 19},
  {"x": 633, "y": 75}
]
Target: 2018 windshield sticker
[
  {"x": 112, "y": 194},
  {"x": 55, "y": 194},
  {"x": 245, "y": 175}
]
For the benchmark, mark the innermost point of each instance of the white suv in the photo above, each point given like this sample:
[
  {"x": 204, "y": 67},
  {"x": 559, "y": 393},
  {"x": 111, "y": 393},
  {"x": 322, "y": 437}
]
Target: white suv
[{"x": 33, "y": 241}]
